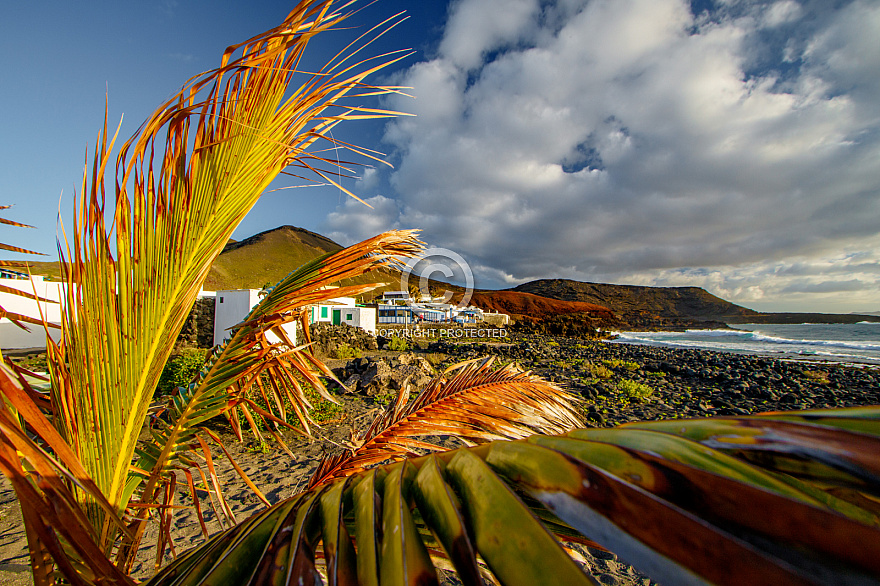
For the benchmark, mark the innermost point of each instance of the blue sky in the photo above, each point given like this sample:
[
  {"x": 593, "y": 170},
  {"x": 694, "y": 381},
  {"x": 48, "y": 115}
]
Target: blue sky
[{"x": 732, "y": 145}]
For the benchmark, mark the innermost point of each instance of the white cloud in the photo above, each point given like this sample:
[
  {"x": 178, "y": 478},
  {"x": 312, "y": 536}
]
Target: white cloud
[
  {"x": 474, "y": 28},
  {"x": 782, "y": 12},
  {"x": 353, "y": 221},
  {"x": 623, "y": 140}
]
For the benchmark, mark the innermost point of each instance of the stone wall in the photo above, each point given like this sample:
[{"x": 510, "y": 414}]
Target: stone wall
[
  {"x": 198, "y": 330},
  {"x": 328, "y": 337}
]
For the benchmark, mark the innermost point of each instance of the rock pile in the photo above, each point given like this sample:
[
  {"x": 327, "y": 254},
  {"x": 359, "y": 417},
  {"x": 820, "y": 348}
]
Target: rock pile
[
  {"x": 328, "y": 337},
  {"x": 374, "y": 376}
]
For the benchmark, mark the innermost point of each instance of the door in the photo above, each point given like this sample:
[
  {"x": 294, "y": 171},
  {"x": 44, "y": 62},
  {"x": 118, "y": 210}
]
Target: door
[{"x": 337, "y": 317}]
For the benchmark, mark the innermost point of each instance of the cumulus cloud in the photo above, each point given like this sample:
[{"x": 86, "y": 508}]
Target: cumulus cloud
[
  {"x": 634, "y": 141},
  {"x": 353, "y": 221}
]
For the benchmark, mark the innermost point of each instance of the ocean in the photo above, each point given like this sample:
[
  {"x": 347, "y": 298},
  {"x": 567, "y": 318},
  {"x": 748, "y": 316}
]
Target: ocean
[{"x": 847, "y": 343}]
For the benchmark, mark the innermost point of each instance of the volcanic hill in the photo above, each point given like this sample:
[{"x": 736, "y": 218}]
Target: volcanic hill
[
  {"x": 630, "y": 300},
  {"x": 515, "y": 303},
  {"x": 269, "y": 256}
]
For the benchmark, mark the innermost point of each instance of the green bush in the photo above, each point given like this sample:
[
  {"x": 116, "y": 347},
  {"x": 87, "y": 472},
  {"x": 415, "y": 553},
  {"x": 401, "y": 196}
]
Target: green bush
[
  {"x": 817, "y": 376},
  {"x": 345, "y": 351},
  {"x": 322, "y": 411},
  {"x": 634, "y": 391},
  {"x": 385, "y": 397},
  {"x": 34, "y": 362},
  {"x": 598, "y": 371},
  {"x": 398, "y": 344},
  {"x": 436, "y": 358},
  {"x": 180, "y": 370},
  {"x": 627, "y": 364}
]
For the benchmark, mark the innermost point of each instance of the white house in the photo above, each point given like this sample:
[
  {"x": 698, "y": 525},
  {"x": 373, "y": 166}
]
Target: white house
[
  {"x": 11, "y": 336},
  {"x": 231, "y": 307},
  {"x": 353, "y": 315},
  {"x": 396, "y": 298},
  {"x": 344, "y": 310},
  {"x": 324, "y": 311}
]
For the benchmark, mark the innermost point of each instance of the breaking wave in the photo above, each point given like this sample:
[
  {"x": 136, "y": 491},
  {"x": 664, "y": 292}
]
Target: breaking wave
[{"x": 844, "y": 342}]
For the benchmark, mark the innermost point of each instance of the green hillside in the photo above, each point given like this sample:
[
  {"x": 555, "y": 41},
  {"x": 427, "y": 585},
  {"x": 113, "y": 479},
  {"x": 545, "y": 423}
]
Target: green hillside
[{"x": 269, "y": 256}]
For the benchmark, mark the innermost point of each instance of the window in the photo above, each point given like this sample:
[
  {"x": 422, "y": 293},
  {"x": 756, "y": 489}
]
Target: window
[
  {"x": 324, "y": 311},
  {"x": 221, "y": 300},
  {"x": 348, "y": 316}
]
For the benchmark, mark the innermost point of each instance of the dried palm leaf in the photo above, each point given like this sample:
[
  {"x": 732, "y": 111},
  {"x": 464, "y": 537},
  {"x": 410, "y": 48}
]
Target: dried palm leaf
[
  {"x": 43, "y": 477},
  {"x": 476, "y": 404}
]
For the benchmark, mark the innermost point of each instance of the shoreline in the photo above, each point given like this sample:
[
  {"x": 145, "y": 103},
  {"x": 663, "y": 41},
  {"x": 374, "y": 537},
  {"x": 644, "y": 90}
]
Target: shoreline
[
  {"x": 685, "y": 383},
  {"x": 779, "y": 355},
  {"x": 793, "y": 342}
]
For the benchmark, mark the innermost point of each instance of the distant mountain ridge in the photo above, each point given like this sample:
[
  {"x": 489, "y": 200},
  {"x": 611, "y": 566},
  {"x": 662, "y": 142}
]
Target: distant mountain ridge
[
  {"x": 663, "y": 302},
  {"x": 663, "y": 307},
  {"x": 517, "y": 303},
  {"x": 269, "y": 256}
]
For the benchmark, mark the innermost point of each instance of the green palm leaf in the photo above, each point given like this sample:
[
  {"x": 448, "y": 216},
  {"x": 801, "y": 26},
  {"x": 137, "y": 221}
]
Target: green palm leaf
[
  {"x": 678, "y": 511},
  {"x": 221, "y": 385},
  {"x": 138, "y": 255}
]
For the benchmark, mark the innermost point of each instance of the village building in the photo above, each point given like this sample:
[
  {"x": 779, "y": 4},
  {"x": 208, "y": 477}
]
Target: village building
[
  {"x": 344, "y": 310},
  {"x": 398, "y": 307},
  {"x": 231, "y": 307},
  {"x": 13, "y": 337}
]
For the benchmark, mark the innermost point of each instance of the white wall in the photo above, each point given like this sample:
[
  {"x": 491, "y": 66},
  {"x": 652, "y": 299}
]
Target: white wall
[
  {"x": 361, "y": 317},
  {"x": 289, "y": 329},
  {"x": 230, "y": 309},
  {"x": 11, "y": 336}
]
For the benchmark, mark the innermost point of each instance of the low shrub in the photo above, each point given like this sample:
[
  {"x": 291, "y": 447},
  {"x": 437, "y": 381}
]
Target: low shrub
[
  {"x": 817, "y": 376},
  {"x": 398, "y": 344},
  {"x": 599, "y": 371},
  {"x": 322, "y": 411},
  {"x": 436, "y": 358},
  {"x": 34, "y": 362},
  {"x": 180, "y": 370},
  {"x": 634, "y": 391},
  {"x": 345, "y": 351},
  {"x": 385, "y": 397},
  {"x": 627, "y": 364}
]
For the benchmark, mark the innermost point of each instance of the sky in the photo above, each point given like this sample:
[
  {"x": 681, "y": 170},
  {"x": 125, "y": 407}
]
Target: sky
[{"x": 727, "y": 144}]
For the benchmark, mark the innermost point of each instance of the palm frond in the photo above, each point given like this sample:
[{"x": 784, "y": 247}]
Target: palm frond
[
  {"x": 673, "y": 506},
  {"x": 42, "y": 476},
  {"x": 476, "y": 404},
  {"x": 132, "y": 281},
  {"x": 240, "y": 362}
]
